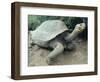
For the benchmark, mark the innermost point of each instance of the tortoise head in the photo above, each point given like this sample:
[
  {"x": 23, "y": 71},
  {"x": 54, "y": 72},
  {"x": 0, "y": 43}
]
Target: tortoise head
[{"x": 80, "y": 27}]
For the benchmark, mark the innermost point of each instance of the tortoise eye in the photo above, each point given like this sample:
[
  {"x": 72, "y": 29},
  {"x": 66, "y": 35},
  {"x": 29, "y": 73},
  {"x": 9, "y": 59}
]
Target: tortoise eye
[{"x": 80, "y": 24}]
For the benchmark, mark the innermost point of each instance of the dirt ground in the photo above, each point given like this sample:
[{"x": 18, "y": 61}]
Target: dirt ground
[{"x": 37, "y": 56}]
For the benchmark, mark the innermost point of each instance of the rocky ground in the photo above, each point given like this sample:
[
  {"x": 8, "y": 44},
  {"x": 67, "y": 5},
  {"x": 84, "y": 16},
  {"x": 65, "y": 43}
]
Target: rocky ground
[{"x": 37, "y": 55}]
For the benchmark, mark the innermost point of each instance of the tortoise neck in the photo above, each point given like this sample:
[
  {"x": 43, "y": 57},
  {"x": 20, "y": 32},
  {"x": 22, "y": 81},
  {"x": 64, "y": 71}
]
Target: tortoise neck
[{"x": 72, "y": 35}]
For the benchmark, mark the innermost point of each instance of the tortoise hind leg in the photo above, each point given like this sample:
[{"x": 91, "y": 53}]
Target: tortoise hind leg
[{"x": 58, "y": 48}]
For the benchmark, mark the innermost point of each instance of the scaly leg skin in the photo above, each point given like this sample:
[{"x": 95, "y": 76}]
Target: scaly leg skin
[{"x": 58, "y": 48}]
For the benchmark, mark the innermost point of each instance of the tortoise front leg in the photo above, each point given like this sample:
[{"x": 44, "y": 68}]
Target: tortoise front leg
[{"x": 58, "y": 49}]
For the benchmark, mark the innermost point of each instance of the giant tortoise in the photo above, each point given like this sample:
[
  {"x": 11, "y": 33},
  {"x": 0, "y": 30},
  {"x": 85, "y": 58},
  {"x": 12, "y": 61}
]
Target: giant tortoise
[{"x": 55, "y": 34}]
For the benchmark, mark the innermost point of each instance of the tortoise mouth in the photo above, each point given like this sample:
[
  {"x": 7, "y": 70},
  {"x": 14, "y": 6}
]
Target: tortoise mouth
[{"x": 80, "y": 29}]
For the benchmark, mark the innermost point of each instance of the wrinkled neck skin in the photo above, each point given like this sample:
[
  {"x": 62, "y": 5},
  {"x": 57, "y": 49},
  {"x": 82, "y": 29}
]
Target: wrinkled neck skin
[{"x": 72, "y": 36}]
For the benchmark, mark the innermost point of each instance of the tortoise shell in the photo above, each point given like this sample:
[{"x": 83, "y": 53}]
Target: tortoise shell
[{"x": 48, "y": 30}]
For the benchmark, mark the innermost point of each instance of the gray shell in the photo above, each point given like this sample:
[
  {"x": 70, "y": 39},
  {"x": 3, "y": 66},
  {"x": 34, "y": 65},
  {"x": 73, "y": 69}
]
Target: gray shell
[{"x": 48, "y": 30}]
